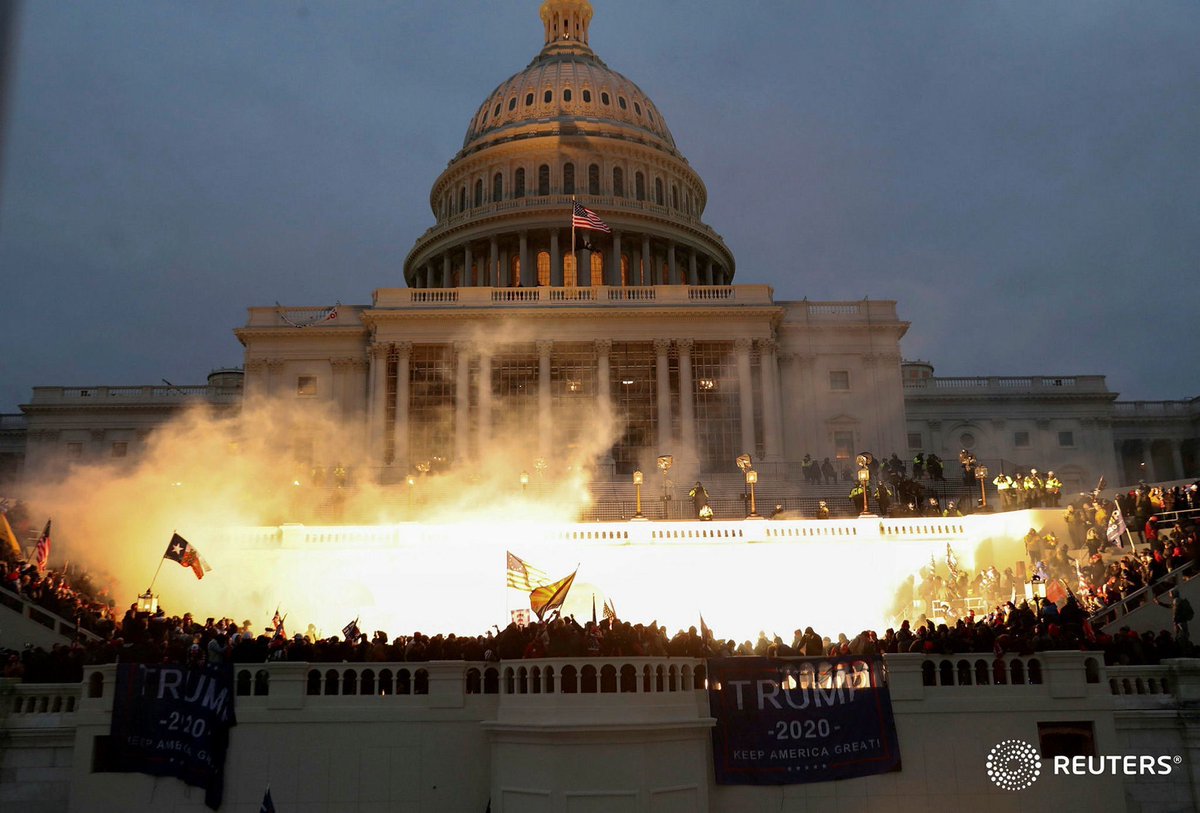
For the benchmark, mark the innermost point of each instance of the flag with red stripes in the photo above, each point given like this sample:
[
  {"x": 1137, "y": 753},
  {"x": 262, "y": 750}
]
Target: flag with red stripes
[
  {"x": 42, "y": 554},
  {"x": 584, "y": 218}
]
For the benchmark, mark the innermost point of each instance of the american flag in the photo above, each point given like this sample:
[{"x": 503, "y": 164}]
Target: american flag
[
  {"x": 350, "y": 631},
  {"x": 584, "y": 218},
  {"x": 42, "y": 555},
  {"x": 524, "y": 576}
]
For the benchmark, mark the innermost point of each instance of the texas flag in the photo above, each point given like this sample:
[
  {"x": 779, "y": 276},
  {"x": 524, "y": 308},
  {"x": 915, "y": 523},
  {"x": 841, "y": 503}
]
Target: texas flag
[{"x": 182, "y": 551}]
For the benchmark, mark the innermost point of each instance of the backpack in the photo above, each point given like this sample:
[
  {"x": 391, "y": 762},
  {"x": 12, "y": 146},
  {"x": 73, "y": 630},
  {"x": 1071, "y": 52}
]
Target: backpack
[{"x": 1183, "y": 610}]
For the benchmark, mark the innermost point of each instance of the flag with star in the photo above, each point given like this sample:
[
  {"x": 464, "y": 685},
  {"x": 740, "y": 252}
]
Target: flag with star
[{"x": 181, "y": 551}]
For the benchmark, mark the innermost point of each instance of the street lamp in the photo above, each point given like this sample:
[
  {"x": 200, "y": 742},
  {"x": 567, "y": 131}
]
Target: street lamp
[
  {"x": 412, "y": 484},
  {"x": 638, "y": 477},
  {"x": 981, "y": 473},
  {"x": 864, "y": 482},
  {"x": 524, "y": 481},
  {"x": 751, "y": 479},
  {"x": 664, "y": 462}
]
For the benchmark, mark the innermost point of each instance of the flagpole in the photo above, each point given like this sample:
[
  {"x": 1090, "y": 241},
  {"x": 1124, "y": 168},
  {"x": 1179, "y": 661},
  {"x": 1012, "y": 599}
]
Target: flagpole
[
  {"x": 160, "y": 561},
  {"x": 573, "y": 256}
]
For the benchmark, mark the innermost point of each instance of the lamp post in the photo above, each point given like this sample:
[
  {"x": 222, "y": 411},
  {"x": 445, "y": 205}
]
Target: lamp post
[
  {"x": 751, "y": 479},
  {"x": 412, "y": 485},
  {"x": 664, "y": 462},
  {"x": 864, "y": 482},
  {"x": 524, "y": 481},
  {"x": 981, "y": 473},
  {"x": 638, "y": 477}
]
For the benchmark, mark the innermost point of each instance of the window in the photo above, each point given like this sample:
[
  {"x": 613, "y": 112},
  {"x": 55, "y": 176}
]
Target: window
[
  {"x": 621, "y": 103},
  {"x": 604, "y": 98},
  {"x": 496, "y": 112},
  {"x": 967, "y": 440},
  {"x": 567, "y": 95},
  {"x": 637, "y": 108},
  {"x": 914, "y": 440},
  {"x": 120, "y": 449},
  {"x": 597, "y": 268},
  {"x": 843, "y": 444},
  {"x": 497, "y": 187},
  {"x": 544, "y": 180},
  {"x": 543, "y": 268},
  {"x": 839, "y": 379},
  {"x": 519, "y": 183},
  {"x": 462, "y": 199},
  {"x": 479, "y": 192},
  {"x": 306, "y": 385},
  {"x": 528, "y": 99},
  {"x": 568, "y": 179},
  {"x": 587, "y": 95},
  {"x": 1066, "y": 739},
  {"x": 618, "y": 182},
  {"x": 1021, "y": 439},
  {"x": 624, "y": 269},
  {"x": 593, "y": 179},
  {"x": 639, "y": 182},
  {"x": 512, "y": 103},
  {"x": 649, "y": 114},
  {"x": 674, "y": 196},
  {"x": 548, "y": 96},
  {"x": 74, "y": 450},
  {"x": 569, "y": 275},
  {"x": 514, "y": 266},
  {"x": 1066, "y": 438},
  {"x": 658, "y": 191}
]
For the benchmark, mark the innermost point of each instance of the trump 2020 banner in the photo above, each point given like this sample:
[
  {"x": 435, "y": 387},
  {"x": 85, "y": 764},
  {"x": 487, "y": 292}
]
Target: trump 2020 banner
[
  {"x": 174, "y": 721},
  {"x": 783, "y": 721}
]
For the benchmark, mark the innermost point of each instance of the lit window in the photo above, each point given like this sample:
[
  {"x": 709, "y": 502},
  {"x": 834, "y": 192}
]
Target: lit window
[
  {"x": 1020, "y": 439},
  {"x": 306, "y": 385},
  {"x": 1066, "y": 438},
  {"x": 839, "y": 379},
  {"x": 120, "y": 449},
  {"x": 543, "y": 268},
  {"x": 843, "y": 445},
  {"x": 597, "y": 268}
]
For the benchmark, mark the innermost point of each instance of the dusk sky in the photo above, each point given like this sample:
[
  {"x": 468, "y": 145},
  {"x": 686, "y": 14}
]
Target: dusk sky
[{"x": 1022, "y": 177}]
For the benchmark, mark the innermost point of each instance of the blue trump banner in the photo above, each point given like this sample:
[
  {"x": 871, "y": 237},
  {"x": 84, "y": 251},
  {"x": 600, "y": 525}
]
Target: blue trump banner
[
  {"x": 174, "y": 721},
  {"x": 783, "y": 721}
]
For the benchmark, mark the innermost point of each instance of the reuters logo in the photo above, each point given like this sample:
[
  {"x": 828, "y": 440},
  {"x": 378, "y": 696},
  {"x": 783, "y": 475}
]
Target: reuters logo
[{"x": 1014, "y": 765}]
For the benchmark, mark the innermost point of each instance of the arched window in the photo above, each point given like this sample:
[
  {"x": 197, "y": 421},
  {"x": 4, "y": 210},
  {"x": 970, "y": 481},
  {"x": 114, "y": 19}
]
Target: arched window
[
  {"x": 569, "y": 275},
  {"x": 566, "y": 94},
  {"x": 548, "y": 96},
  {"x": 479, "y": 192},
  {"x": 514, "y": 271},
  {"x": 604, "y": 98},
  {"x": 637, "y": 108},
  {"x": 519, "y": 183},
  {"x": 597, "y": 268},
  {"x": 625, "y": 269},
  {"x": 621, "y": 103},
  {"x": 462, "y": 199},
  {"x": 658, "y": 191},
  {"x": 587, "y": 95},
  {"x": 593, "y": 179},
  {"x": 512, "y": 103},
  {"x": 618, "y": 182},
  {"x": 544, "y": 179},
  {"x": 496, "y": 112},
  {"x": 528, "y": 99},
  {"x": 639, "y": 183},
  {"x": 497, "y": 187},
  {"x": 568, "y": 179},
  {"x": 674, "y": 196},
  {"x": 543, "y": 267}
]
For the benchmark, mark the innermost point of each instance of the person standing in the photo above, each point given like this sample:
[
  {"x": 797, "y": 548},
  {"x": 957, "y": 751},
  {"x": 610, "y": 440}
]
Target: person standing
[{"x": 699, "y": 498}]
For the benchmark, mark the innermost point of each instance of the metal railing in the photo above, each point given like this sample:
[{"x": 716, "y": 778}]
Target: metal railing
[{"x": 1143, "y": 596}]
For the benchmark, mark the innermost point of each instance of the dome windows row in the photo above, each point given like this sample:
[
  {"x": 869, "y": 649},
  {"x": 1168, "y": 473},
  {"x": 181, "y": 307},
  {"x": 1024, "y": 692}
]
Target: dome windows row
[
  {"x": 652, "y": 190},
  {"x": 567, "y": 96}
]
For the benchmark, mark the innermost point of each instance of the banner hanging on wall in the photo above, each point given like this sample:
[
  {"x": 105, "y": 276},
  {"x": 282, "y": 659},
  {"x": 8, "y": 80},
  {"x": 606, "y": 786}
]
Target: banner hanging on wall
[
  {"x": 174, "y": 721},
  {"x": 783, "y": 721}
]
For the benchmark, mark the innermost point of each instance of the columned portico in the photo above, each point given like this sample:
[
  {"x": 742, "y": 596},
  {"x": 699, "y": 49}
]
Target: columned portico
[
  {"x": 745, "y": 393},
  {"x": 662, "y": 363},
  {"x": 400, "y": 427},
  {"x": 772, "y": 415},
  {"x": 687, "y": 398}
]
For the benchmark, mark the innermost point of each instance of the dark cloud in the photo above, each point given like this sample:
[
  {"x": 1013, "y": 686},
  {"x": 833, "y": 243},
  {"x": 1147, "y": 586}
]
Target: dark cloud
[{"x": 1021, "y": 176}]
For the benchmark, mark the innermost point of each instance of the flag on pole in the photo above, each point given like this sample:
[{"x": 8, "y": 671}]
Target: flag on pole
[
  {"x": 522, "y": 575},
  {"x": 350, "y": 631},
  {"x": 550, "y": 596},
  {"x": 1116, "y": 527},
  {"x": 951, "y": 563},
  {"x": 277, "y": 622},
  {"x": 181, "y": 551},
  {"x": 267, "y": 805},
  {"x": 610, "y": 611},
  {"x": 584, "y": 218},
  {"x": 705, "y": 632},
  {"x": 42, "y": 553},
  {"x": 8, "y": 538}
]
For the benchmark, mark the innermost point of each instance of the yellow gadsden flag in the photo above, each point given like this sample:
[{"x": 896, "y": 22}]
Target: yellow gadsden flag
[
  {"x": 550, "y": 597},
  {"x": 7, "y": 538}
]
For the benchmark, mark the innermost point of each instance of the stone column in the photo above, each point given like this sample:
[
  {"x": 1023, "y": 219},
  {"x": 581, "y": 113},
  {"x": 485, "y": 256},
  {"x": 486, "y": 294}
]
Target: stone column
[
  {"x": 468, "y": 277},
  {"x": 462, "y": 402},
  {"x": 1177, "y": 458},
  {"x": 662, "y": 347},
  {"x": 556, "y": 264},
  {"x": 446, "y": 276},
  {"x": 503, "y": 272},
  {"x": 772, "y": 413},
  {"x": 647, "y": 262},
  {"x": 604, "y": 396},
  {"x": 583, "y": 268},
  {"x": 378, "y": 400},
  {"x": 400, "y": 429},
  {"x": 614, "y": 273},
  {"x": 493, "y": 274},
  {"x": 745, "y": 394},
  {"x": 527, "y": 280},
  {"x": 708, "y": 271},
  {"x": 672, "y": 271},
  {"x": 544, "y": 402},
  {"x": 687, "y": 400},
  {"x": 692, "y": 278},
  {"x": 485, "y": 402},
  {"x": 635, "y": 266}
]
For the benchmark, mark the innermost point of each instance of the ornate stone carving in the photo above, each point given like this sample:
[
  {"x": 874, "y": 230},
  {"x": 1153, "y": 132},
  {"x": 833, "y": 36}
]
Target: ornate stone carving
[
  {"x": 685, "y": 345},
  {"x": 97, "y": 434},
  {"x": 767, "y": 346},
  {"x": 743, "y": 344},
  {"x": 255, "y": 365},
  {"x": 602, "y": 346},
  {"x": 662, "y": 346},
  {"x": 544, "y": 347}
]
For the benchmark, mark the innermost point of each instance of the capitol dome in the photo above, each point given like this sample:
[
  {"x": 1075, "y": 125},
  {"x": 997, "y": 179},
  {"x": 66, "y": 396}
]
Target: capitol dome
[{"x": 567, "y": 129}]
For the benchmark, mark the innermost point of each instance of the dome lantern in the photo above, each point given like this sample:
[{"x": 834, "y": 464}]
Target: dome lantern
[{"x": 566, "y": 21}]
